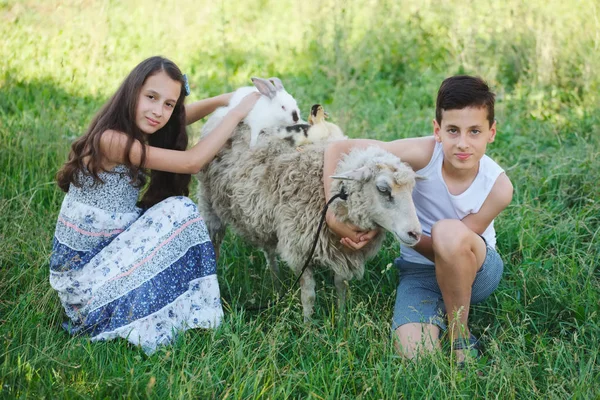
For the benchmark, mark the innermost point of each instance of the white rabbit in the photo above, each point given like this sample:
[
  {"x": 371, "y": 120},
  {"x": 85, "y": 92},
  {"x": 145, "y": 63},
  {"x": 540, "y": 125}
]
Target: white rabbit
[{"x": 274, "y": 108}]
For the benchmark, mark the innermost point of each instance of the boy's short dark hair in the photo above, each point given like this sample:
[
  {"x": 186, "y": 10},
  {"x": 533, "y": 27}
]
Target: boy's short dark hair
[{"x": 461, "y": 91}]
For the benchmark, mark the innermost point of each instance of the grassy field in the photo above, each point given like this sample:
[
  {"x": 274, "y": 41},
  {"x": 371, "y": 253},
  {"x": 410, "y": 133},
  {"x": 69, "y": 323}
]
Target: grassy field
[{"x": 376, "y": 65}]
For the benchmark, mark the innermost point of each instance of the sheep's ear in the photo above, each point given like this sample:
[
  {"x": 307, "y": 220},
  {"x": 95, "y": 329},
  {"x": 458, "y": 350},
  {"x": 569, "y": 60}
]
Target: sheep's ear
[
  {"x": 277, "y": 83},
  {"x": 360, "y": 174},
  {"x": 265, "y": 87}
]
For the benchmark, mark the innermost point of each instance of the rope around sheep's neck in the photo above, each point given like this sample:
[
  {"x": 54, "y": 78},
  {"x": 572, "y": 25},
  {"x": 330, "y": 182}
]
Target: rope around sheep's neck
[{"x": 342, "y": 195}]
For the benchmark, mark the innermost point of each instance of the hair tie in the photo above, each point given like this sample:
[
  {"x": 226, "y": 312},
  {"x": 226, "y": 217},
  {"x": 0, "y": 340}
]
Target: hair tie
[{"x": 186, "y": 85}]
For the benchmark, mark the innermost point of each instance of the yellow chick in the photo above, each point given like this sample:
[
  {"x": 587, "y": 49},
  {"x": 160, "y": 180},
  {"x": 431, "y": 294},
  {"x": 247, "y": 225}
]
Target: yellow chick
[
  {"x": 321, "y": 130},
  {"x": 317, "y": 131},
  {"x": 317, "y": 114}
]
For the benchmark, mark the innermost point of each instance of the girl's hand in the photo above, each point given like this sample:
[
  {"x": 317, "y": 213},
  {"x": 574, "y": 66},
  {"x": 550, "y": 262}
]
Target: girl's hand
[
  {"x": 246, "y": 105},
  {"x": 225, "y": 98},
  {"x": 351, "y": 235}
]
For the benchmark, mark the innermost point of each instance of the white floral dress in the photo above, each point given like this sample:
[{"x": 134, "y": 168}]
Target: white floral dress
[{"x": 123, "y": 273}]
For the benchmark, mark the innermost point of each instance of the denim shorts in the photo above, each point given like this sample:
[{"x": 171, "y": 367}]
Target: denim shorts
[{"x": 419, "y": 298}]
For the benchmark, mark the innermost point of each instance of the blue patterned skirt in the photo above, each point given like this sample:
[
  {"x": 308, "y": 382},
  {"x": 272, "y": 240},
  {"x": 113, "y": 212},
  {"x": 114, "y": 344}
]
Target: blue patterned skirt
[{"x": 140, "y": 277}]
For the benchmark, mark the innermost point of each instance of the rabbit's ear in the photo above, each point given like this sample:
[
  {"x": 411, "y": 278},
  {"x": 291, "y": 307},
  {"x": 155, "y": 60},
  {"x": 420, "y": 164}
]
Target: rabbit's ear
[
  {"x": 277, "y": 83},
  {"x": 265, "y": 87}
]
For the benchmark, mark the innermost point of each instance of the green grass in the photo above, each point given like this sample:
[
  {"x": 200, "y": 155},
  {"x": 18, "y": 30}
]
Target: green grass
[{"x": 376, "y": 65}]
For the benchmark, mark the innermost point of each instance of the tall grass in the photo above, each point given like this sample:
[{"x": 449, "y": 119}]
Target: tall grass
[{"x": 376, "y": 65}]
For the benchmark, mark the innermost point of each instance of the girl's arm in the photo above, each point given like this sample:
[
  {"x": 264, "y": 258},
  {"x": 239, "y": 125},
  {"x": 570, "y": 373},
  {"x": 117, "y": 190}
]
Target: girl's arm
[
  {"x": 191, "y": 161},
  {"x": 201, "y": 108}
]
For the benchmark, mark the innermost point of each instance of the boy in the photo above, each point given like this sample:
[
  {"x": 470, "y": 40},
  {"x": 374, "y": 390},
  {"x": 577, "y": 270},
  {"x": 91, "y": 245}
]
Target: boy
[{"x": 455, "y": 263}]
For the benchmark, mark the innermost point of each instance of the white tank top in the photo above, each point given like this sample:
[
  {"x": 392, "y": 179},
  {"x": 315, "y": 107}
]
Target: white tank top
[{"x": 434, "y": 202}]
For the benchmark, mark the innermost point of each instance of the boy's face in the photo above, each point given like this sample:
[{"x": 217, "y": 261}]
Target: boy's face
[{"x": 464, "y": 135}]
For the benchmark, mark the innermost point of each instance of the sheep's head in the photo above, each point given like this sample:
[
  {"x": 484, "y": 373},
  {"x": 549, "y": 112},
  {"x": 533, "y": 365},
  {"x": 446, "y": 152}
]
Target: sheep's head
[{"x": 380, "y": 195}]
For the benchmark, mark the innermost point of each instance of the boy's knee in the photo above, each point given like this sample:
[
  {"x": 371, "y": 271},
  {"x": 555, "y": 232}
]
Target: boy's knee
[
  {"x": 450, "y": 236},
  {"x": 413, "y": 339}
]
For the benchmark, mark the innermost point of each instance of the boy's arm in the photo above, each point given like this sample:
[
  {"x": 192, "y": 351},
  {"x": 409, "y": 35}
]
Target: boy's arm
[
  {"x": 350, "y": 236},
  {"x": 499, "y": 198},
  {"x": 201, "y": 108},
  {"x": 425, "y": 247},
  {"x": 414, "y": 151}
]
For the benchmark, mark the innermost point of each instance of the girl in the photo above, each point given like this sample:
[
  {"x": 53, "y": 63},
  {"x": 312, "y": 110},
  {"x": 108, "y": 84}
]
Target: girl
[{"x": 139, "y": 271}]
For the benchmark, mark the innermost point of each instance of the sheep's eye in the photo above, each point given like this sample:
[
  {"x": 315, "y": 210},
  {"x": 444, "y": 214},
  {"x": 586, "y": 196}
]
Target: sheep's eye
[
  {"x": 283, "y": 108},
  {"x": 384, "y": 190}
]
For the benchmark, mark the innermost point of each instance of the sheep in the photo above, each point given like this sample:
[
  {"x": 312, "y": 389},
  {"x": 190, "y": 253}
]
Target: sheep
[{"x": 273, "y": 196}]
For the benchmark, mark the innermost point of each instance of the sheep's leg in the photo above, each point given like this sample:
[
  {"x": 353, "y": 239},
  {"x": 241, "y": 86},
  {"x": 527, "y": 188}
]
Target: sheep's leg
[
  {"x": 216, "y": 228},
  {"x": 273, "y": 267},
  {"x": 216, "y": 231},
  {"x": 341, "y": 286},
  {"x": 307, "y": 293},
  {"x": 216, "y": 237}
]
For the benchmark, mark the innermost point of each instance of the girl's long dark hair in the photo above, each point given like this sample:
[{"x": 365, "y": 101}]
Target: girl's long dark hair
[{"x": 119, "y": 114}]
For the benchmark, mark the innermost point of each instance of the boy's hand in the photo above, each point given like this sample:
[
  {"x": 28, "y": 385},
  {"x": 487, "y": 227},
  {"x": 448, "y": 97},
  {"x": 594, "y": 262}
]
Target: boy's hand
[{"x": 352, "y": 236}]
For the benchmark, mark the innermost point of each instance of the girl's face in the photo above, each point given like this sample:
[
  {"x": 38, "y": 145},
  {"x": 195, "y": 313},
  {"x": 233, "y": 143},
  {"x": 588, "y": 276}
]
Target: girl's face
[{"x": 156, "y": 102}]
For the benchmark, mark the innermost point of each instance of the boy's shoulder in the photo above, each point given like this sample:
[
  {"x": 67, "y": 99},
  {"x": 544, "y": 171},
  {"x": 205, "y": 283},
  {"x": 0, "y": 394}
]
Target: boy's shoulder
[
  {"x": 502, "y": 189},
  {"x": 495, "y": 202},
  {"x": 490, "y": 166},
  {"x": 495, "y": 185},
  {"x": 494, "y": 170},
  {"x": 493, "y": 181}
]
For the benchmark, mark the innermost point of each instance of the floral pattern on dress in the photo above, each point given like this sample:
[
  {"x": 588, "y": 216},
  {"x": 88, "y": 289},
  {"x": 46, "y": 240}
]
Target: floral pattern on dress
[{"x": 139, "y": 276}]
